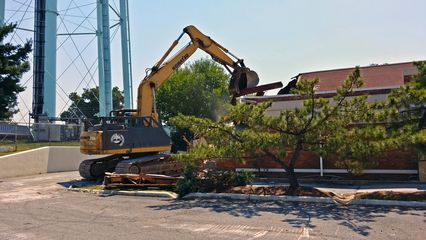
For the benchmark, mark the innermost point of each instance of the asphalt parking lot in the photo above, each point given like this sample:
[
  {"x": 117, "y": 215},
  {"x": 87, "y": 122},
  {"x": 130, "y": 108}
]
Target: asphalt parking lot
[{"x": 39, "y": 207}]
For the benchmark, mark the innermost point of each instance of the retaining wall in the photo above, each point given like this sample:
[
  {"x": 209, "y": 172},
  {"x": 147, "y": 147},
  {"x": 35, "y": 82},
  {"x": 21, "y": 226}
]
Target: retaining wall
[{"x": 42, "y": 160}]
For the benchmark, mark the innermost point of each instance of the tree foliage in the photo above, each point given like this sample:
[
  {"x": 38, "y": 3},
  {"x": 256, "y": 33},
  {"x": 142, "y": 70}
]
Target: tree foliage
[
  {"x": 408, "y": 118},
  {"x": 86, "y": 105},
  {"x": 343, "y": 126},
  {"x": 199, "y": 89},
  {"x": 13, "y": 64}
]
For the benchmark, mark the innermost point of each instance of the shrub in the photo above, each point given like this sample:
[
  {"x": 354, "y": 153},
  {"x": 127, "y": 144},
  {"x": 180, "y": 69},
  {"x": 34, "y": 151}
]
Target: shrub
[
  {"x": 188, "y": 183},
  {"x": 211, "y": 181},
  {"x": 244, "y": 178}
]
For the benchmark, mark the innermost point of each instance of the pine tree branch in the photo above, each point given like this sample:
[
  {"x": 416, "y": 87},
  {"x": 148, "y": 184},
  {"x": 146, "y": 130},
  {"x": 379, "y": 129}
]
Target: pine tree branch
[
  {"x": 276, "y": 159},
  {"x": 296, "y": 154},
  {"x": 305, "y": 129}
]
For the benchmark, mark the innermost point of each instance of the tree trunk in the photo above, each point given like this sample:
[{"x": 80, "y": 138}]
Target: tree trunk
[
  {"x": 422, "y": 121},
  {"x": 292, "y": 179}
]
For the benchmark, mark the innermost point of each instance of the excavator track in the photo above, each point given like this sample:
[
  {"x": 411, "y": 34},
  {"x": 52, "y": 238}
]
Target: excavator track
[
  {"x": 148, "y": 164},
  {"x": 95, "y": 168},
  {"x": 151, "y": 164}
]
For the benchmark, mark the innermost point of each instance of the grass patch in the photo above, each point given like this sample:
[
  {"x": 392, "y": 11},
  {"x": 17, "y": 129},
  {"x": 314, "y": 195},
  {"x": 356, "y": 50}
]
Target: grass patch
[
  {"x": 390, "y": 195},
  {"x": 24, "y": 146}
]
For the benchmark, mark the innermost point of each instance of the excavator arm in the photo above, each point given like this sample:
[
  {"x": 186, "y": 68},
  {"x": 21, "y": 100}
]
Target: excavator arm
[
  {"x": 241, "y": 76},
  {"x": 136, "y": 140}
]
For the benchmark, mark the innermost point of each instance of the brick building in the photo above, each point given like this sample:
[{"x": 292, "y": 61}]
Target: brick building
[
  {"x": 374, "y": 76},
  {"x": 379, "y": 80}
]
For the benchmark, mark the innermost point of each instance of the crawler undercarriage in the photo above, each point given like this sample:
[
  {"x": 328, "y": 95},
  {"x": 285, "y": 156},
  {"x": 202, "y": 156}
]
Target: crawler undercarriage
[{"x": 133, "y": 164}]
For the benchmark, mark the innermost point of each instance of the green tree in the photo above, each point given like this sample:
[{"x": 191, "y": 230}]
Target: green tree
[
  {"x": 320, "y": 125},
  {"x": 199, "y": 89},
  {"x": 408, "y": 116},
  {"x": 398, "y": 124},
  {"x": 86, "y": 105},
  {"x": 13, "y": 64}
]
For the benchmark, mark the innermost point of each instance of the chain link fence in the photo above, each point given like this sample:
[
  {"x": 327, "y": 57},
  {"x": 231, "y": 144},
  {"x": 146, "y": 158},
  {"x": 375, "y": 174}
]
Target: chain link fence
[{"x": 23, "y": 136}]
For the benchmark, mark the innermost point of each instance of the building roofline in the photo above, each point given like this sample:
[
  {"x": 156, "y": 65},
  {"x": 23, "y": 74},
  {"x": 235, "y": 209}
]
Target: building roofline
[
  {"x": 320, "y": 92},
  {"x": 363, "y": 67}
]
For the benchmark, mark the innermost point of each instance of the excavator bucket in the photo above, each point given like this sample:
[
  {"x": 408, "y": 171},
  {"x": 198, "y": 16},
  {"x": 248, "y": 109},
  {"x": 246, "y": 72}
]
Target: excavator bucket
[{"x": 242, "y": 78}]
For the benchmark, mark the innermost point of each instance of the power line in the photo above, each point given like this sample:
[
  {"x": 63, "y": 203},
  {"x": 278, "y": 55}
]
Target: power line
[
  {"x": 70, "y": 19},
  {"x": 84, "y": 5},
  {"x": 87, "y": 85},
  {"x": 21, "y": 2},
  {"x": 77, "y": 49},
  {"x": 79, "y": 8},
  {"x": 18, "y": 10},
  {"x": 19, "y": 24},
  {"x": 73, "y": 30},
  {"x": 75, "y": 59}
]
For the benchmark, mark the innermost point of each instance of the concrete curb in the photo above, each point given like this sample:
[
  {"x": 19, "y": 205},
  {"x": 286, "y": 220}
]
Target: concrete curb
[
  {"x": 376, "y": 202},
  {"x": 126, "y": 193},
  {"x": 236, "y": 196}
]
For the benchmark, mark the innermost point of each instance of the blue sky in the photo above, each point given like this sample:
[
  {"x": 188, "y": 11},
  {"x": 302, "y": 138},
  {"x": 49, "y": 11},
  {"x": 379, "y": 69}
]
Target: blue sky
[
  {"x": 279, "y": 38},
  {"x": 276, "y": 38}
]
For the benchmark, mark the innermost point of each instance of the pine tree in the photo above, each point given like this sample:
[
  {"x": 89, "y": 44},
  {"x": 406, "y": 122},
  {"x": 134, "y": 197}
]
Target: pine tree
[
  {"x": 13, "y": 64},
  {"x": 322, "y": 126},
  {"x": 408, "y": 118}
]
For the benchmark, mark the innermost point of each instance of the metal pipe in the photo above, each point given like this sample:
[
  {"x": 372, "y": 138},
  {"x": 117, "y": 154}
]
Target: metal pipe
[
  {"x": 130, "y": 55},
  {"x": 38, "y": 59},
  {"x": 125, "y": 46},
  {"x": 158, "y": 64},
  {"x": 2, "y": 11},
  {"x": 16, "y": 137},
  {"x": 321, "y": 163},
  {"x": 24, "y": 29},
  {"x": 104, "y": 58},
  {"x": 100, "y": 62},
  {"x": 75, "y": 34},
  {"x": 154, "y": 102},
  {"x": 50, "y": 59},
  {"x": 260, "y": 88},
  {"x": 107, "y": 56}
]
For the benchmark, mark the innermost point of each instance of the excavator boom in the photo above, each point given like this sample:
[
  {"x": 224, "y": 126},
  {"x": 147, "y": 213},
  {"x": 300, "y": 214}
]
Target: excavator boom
[{"x": 242, "y": 77}]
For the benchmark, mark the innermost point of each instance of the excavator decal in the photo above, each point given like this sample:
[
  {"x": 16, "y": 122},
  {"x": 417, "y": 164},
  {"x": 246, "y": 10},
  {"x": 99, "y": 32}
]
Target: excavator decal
[
  {"x": 118, "y": 139},
  {"x": 181, "y": 61}
]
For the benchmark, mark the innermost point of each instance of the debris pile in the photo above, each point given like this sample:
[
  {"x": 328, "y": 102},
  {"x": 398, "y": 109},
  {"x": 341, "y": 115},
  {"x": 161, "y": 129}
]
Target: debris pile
[{"x": 115, "y": 180}]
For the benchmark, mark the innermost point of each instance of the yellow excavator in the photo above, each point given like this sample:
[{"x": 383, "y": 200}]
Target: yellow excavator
[{"x": 134, "y": 139}]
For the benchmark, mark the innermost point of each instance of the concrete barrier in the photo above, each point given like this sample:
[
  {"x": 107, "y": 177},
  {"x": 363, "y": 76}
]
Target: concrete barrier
[{"x": 42, "y": 160}]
